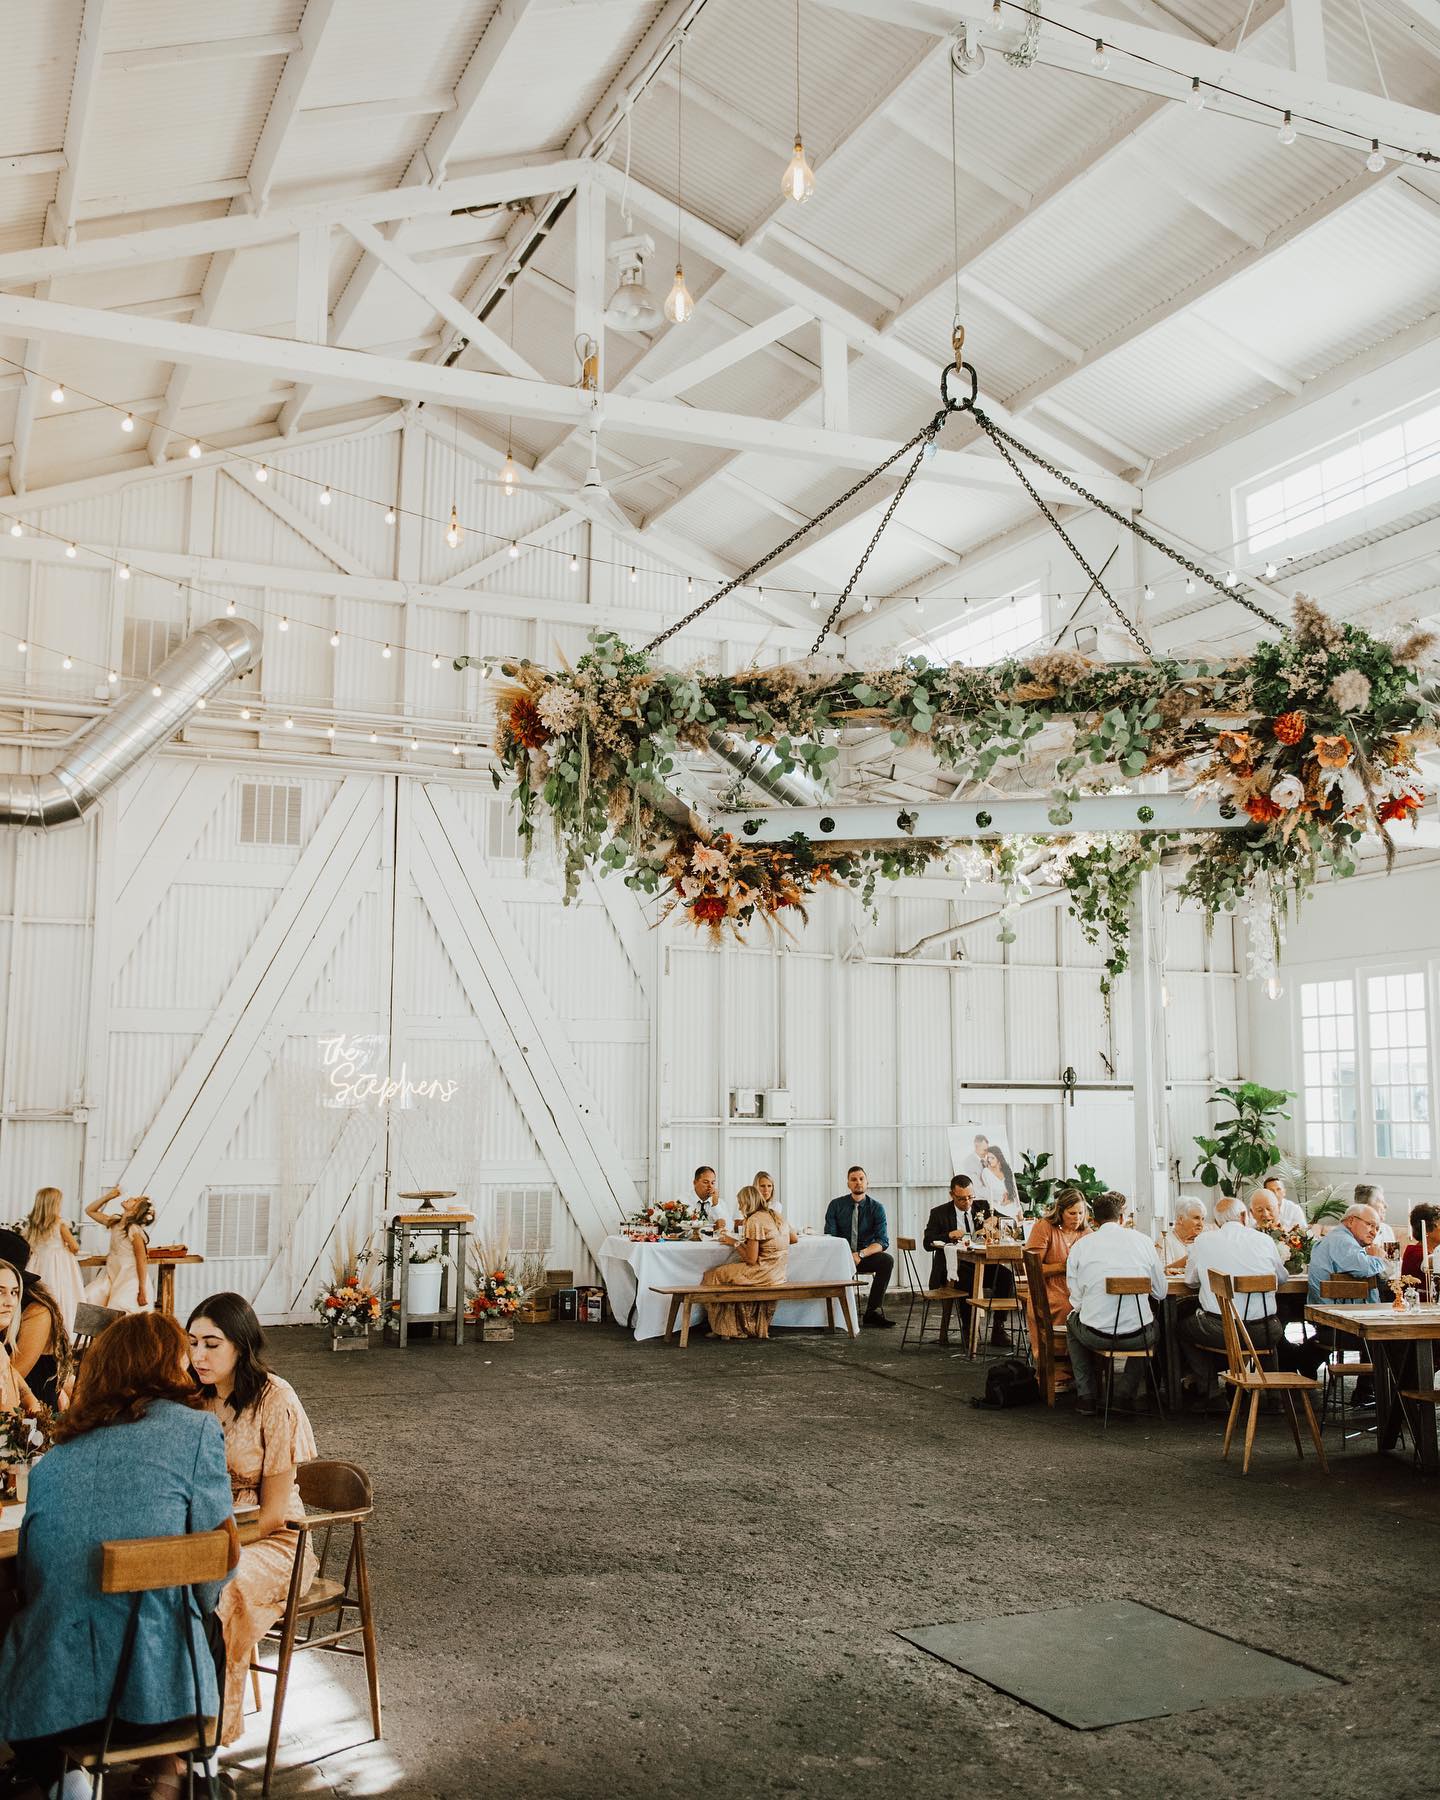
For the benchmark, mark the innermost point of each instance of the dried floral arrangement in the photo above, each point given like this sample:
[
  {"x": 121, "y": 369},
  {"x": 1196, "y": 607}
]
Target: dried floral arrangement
[{"x": 1313, "y": 736}]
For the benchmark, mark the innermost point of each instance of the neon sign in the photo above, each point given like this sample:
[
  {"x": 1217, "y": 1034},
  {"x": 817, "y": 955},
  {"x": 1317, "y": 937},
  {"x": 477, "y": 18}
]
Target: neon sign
[{"x": 353, "y": 1082}]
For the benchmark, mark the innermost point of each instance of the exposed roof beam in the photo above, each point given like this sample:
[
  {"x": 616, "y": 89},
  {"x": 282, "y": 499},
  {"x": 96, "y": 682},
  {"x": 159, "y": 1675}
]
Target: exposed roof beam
[
  {"x": 361, "y": 112},
  {"x": 1140, "y": 55},
  {"x": 285, "y": 106},
  {"x": 84, "y": 93},
  {"x": 1126, "y": 454},
  {"x": 220, "y": 49},
  {"x": 1018, "y": 315},
  {"x": 35, "y": 162},
  {"x": 1228, "y": 345},
  {"x": 152, "y": 200},
  {"x": 1220, "y": 208},
  {"x": 983, "y": 174},
  {"x": 725, "y": 356},
  {"x": 238, "y": 231}
]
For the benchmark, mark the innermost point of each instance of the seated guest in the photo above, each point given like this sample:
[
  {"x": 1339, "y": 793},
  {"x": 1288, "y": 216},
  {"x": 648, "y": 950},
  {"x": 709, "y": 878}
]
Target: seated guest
[
  {"x": 860, "y": 1218},
  {"x": 707, "y": 1198},
  {"x": 765, "y": 1182},
  {"x": 949, "y": 1223},
  {"x": 267, "y": 1437},
  {"x": 41, "y": 1353},
  {"x": 1291, "y": 1215},
  {"x": 764, "y": 1250},
  {"x": 1054, "y": 1237},
  {"x": 1190, "y": 1220},
  {"x": 1424, "y": 1237},
  {"x": 135, "y": 1456},
  {"x": 15, "y": 1395},
  {"x": 1092, "y": 1324},
  {"x": 1235, "y": 1249},
  {"x": 1264, "y": 1210},
  {"x": 1367, "y": 1194},
  {"x": 1346, "y": 1252},
  {"x": 1231, "y": 1211}
]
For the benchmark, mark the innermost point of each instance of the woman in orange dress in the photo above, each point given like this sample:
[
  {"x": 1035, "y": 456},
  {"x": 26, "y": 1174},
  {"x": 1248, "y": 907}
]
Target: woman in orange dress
[
  {"x": 1055, "y": 1236},
  {"x": 267, "y": 1437},
  {"x": 764, "y": 1251}
]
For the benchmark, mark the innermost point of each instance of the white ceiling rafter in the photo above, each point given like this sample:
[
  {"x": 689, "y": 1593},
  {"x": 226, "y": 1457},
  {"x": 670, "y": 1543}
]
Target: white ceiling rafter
[
  {"x": 285, "y": 107},
  {"x": 500, "y": 394}
]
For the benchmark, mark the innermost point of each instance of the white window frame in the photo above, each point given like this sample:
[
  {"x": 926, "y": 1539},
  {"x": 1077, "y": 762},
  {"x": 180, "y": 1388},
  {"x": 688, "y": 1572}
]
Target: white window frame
[
  {"x": 1358, "y": 972},
  {"x": 1409, "y": 496}
]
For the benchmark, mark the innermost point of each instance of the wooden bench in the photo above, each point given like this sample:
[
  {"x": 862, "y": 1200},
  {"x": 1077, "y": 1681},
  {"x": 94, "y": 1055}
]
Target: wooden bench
[{"x": 683, "y": 1298}]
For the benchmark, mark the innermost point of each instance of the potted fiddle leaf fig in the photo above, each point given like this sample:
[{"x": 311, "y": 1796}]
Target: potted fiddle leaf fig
[
  {"x": 1242, "y": 1150},
  {"x": 1033, "y": 1186}
]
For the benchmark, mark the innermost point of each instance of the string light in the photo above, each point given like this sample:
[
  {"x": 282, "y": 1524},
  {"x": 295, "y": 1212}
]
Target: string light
[
  {"x": 244, "y": 712},
  {"x": 1149, "y": 591},
  {"x": 57, "y": 395},
  {"x": 1286, "y": 133},
  {"x": 128, "y": 422},
  {"x": 633, "y": 575},
  {"x": 514, "y": 549},
  {"x": 574, "y": 564},
  {"x": 454, "y": 749},
  {"x": 815, "y": 598},
  {"x": 123, "y": 572},
  {"x": 1195, "y": 100},
  {"x": 374, "y": 737},
  {"x": 1099, "y": 60},
  {"x": 389, "y": 515},
  {"x": 689, "y": 584},
  {"x": 329, "y": 731},
  {"x": 386, "y": 651},
  {"x": 289, "y": 724},
  {"x": 156, "y": 690},
  {"x": 16, "y": 528},
  {"x": 261, "y": 472},
  {"x": 200, "y": 703},
  {"x": 194, "y": 449},
  {"x": 867, "y": 604},
  {"x": 1189, "y": 584},
  {"x": 334, "y": 640},
  {"x": 113, "y": 677},
  {"x": 229, "y": 609},
  {"x": 72, "y": 550},
  {"x": 1269, "y": 571},
  {"x": 1375, "y": 161},
  {"x": 435, "y": 661},
  {"x": 414, "y": 743},
  {"x": 284, "y": 624},
  {"x": 325, "y": 495},
  {"x": 21, "y": 647},
  {"x": 66, "y": 663}
]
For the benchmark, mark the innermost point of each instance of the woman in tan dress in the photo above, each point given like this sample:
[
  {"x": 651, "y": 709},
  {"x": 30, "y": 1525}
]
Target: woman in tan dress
[
  {"x": 764, "y": 1250},
  {"x": 267, "y": 1437},
  {"x": 1055, "y": 1236}
]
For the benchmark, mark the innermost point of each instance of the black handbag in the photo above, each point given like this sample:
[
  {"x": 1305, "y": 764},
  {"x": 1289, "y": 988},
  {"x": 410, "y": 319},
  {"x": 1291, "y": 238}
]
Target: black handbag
[{"x": 1009, "y": 1382}]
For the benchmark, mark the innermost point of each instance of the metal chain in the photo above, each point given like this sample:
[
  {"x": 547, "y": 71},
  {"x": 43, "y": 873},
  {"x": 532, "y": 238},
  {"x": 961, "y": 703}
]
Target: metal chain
[
  {"x": 995, "y": 434},
  {"x": 991, "y": 430},
  {"x": 929, "y": 435},
  {"x": 923, "y": 436}
]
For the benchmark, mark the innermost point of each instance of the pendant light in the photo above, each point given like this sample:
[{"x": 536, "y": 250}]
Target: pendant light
[
  {"x": 632, "y": 307},
  {"x": 454, "y": 534},
  {"x": 798, "y": 181},
  {"x": 679, "y": 302}
]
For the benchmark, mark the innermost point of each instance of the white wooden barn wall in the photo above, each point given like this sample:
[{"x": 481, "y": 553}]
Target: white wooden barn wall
[{"x": 172, "y": 972}]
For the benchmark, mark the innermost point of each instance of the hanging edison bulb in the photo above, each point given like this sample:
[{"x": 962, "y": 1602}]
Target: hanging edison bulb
[
  {"x": 452, "y": 536},
  {"x": 798, "y": 181},
  {"x": 509, "y": 474},
  {"x": 679, "y": 302}
]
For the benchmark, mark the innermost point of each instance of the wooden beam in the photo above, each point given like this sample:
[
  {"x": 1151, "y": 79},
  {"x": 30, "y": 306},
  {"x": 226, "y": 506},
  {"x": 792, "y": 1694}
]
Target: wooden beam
[
  {"x": 219, "y": 49},
  {"x": 285, "y": 106},
  {"x": 84, "y": 94},
  {"x": 725, "y": 356},
  {"x": 302, "y": 524}
]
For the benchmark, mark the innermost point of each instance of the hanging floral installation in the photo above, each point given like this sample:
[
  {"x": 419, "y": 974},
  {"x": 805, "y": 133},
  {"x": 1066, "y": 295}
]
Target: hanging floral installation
[{"x": 1313, "y": 736}]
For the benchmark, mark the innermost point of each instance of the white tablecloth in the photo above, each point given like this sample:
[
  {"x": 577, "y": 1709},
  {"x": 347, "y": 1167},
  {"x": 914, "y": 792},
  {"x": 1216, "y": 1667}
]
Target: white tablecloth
[{"x": 631, "y": 1270}]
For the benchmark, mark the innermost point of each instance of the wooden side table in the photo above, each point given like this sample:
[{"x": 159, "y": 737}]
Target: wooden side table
[
  {"x": 453, "y": 1231},
  {"x": 164, "y": 1268}
]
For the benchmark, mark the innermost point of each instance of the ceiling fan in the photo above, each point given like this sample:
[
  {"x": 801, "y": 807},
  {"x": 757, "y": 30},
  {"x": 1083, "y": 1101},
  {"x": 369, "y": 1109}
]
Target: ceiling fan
[{"x": 594, "y": 491}]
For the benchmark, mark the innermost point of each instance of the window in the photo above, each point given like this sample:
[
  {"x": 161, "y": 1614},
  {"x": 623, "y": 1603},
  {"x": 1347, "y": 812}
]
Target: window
[
  {"x": 237, "y": 1223},
  {"x": 1000, "y": 631},
  {"x": 1399, "y": 1066},
  {"x": 1386, "y": 458},
  {"x": 1327, "y": 1043},
  {"x": 269, "y": 813},
  {"x": 524, "y": 1219}
]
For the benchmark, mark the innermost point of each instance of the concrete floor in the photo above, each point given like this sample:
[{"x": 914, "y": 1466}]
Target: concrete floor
[{"x": 604, "y": 1568}]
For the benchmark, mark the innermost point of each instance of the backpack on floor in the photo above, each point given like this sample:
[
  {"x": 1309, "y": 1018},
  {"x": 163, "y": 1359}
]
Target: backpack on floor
[{"x": 1009, "y": 1382}]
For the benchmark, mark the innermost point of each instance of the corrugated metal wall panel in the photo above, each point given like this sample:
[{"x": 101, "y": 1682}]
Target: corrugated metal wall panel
[
  {"x": 141, "y": 1070},
  {"x": 188, "y": 953}
]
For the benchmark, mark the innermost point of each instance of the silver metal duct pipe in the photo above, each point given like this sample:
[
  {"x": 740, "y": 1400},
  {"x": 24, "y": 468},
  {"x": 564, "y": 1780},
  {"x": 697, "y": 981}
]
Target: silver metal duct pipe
[
  {"x": 207, "y": 661},
  {"x": 760, "y": 765}
]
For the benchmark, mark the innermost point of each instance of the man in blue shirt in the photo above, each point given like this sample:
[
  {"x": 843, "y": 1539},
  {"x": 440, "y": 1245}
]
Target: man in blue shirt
[
  {"x": 1345, "y": 1251},
  {"x": 860, "y": 1220}
]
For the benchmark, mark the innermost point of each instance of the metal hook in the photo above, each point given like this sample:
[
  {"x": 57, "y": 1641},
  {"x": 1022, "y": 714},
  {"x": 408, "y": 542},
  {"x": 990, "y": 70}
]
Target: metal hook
[{"x": 961, "y": 368}]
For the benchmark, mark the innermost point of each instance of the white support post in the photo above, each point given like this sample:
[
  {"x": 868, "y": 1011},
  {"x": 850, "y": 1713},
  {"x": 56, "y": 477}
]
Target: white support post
[
  {"x": 1147, "y": 1047},
  {"x": 834, "y": 377},
  {"x": 1307, "y": 38}
]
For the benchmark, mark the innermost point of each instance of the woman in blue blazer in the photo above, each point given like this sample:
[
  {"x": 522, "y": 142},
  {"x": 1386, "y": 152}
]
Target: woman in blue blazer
[{"x": 135, "y": 1457}]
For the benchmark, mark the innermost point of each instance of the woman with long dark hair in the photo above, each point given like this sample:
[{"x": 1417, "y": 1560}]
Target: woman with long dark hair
[
  {"x": 34, "y": 1332},
  {"x": 135, "y": 1456},
  {"x": 267, "y": 1437}
]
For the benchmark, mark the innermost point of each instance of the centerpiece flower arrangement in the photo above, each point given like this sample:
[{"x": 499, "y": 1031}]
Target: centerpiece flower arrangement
[
  {"x": 671, "y": 1218},
  {"x": 1313, "y": 738},
  {"x": 499, "y": 1295},
  {"x": 348, "y": 1304},
  {"x": 23, "y": 1437},
  {"x": 1297, "y": 1244}
]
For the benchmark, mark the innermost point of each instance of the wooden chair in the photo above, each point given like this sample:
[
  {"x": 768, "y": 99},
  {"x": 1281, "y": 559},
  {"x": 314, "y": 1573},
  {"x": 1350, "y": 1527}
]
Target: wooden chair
[
  {"x": 1335, "y": 1369},
  {"x": 1052, "y": 1359},
  {"x": 336, "y": 1494},
  {"x": 137, "y": 1566},
  {"x": 1220, "y": 1285},
  {"x": 1245, "y": 1375},
  {"x": 90, "y": 1321},
  {"x": 985, "y": 1307},
  {"x": 946, "y": 1298},
  {"x": 1122, "y": 1287}
]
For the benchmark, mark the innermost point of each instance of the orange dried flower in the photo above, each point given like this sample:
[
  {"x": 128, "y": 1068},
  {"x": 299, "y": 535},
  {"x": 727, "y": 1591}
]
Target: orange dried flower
[
  {"x": 1235, "y": 746},
  {"x": 709, "y": 909},
  {"x": 1289, "y": 727},
  {"x": 1262, "y": 809},
  {"x": 523, "y": 724},
  {"x": 1400, "y": 808},
  {"x": 1333, "y": 752}
]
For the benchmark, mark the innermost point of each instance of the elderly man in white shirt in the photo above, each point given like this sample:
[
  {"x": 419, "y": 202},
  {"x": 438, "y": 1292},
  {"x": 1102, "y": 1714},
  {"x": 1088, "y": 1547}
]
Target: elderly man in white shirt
[
  {"x": 1289, "y": 1213},
  {"x": 1235, "y": 1249},
  {"x": 1092, "y": 1324}
]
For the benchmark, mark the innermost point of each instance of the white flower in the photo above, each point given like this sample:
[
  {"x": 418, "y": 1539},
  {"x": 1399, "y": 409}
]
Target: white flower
[
  {"x": 1350, "y": 691},
  {"x": 559, "y": 708},
  {"x": 1288, "y": 792}
]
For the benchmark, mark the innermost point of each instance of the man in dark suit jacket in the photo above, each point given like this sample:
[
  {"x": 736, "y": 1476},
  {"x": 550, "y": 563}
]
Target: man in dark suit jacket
[
  {"x": 951, "y": 1220},
  {"x": 860, "y": 1220}
]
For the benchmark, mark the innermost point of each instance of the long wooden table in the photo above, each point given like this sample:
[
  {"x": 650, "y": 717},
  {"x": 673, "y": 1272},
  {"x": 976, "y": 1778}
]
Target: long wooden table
[
  {"x": 1389, "y": 1334},
  {"x": 980, "y": 1258},
  {"x": 1179, "y": 1289}
]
